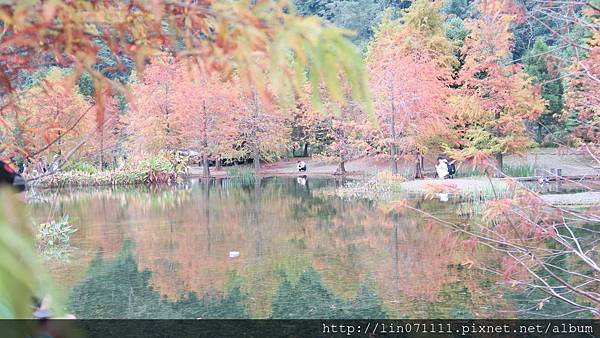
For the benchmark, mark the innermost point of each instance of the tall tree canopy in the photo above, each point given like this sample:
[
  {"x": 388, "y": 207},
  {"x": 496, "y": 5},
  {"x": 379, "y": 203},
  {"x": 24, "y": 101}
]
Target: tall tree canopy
[
  {"x": 583, "y": 87},
  {"x": 409, "y": 66},
  {"x": 497, "y": 95},
  {"x": 224, "y": 36}
]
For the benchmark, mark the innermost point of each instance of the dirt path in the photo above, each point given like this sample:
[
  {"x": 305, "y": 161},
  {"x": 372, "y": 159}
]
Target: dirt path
[
  {"x": 358, "y": 167},
  {"x": 583, "y": 198},
  {"x": 572, "y": 162}
]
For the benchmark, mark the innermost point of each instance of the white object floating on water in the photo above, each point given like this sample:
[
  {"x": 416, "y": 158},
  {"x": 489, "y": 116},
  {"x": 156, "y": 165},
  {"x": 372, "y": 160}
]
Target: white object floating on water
[
  {"x": 233, "y": 254},
  {"x": 443, "y": 197}
]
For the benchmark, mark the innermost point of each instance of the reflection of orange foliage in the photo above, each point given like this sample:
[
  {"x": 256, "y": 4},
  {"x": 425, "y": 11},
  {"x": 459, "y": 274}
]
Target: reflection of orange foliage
[
  {"x": 101, "y": 224},
  {"x": 194, "y": 239},
  {"x": 101, "y": 219},
  {"x": 341, "y": 246},
  {"x": 193, "y": 255},
  {"x": 421, "y": 254},
  {"x": 184, "y": 238}
]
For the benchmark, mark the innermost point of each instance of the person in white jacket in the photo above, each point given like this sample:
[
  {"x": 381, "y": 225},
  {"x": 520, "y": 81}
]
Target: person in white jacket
[
  {"x": 301, "y": 165},
  {"x": 441, "y": 168}
]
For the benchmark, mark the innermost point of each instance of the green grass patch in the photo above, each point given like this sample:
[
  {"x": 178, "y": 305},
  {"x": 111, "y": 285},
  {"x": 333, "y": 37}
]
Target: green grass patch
[
  {"x": 156, "y": 164},
  {"x": 77, "y": 178},
  {"x": 485, "y": 193},
  {"x": 469, "y": 172},
  {"x": 522, "y": 170},
  {"x": 81, "y": 166}
]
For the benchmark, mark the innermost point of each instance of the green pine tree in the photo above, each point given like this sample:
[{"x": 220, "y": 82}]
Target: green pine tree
[{"x": 538, "y": 64}]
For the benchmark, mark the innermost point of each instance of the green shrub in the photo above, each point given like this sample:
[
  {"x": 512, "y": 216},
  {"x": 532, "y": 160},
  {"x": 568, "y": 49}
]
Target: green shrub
[
  {"x": 54, "y": 239},
  {"x": 103, "y": 178},
  {"x": 81, "y": 166},
  {"x": 18, "y": 258},
  {"x": 156, "y": 164}
]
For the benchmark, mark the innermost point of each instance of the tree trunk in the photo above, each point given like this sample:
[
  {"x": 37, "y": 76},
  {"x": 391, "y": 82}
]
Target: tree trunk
[
  {"x": 342, "y": 168},
  {"x": 499, "y": 159},
  {"x": 394, "y": 148},
  {"x": 256, "y": 154},
  {"x": 394, "y": 160},
  {"x": 254, "y": 134},
  {"x": 218, "y": 163},
  {"x": 102, "y": 149},
  {"x": 166, "y": 110},
  {"x": 499, "y": 164},
  {"x": 205, "y": 167},
  {"x": 305, "y": 154},
  {"x": 419, "y": 166}
]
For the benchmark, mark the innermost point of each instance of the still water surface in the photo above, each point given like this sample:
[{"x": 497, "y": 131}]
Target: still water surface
[{"x": 271, "y": 248}]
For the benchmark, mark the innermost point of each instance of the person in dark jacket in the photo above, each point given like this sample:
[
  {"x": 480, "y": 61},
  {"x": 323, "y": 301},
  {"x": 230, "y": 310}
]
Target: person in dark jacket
[
  {"x": 445, "y": 168},
  {"x": 451, "y": 167},
  {"x": 8, "y": 176},
  {"x": 301, "y": 165}
]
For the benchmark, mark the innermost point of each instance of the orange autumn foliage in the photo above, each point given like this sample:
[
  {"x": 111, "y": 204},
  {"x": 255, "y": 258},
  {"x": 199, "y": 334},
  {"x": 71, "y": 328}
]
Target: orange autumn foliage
[
  {"x": 409, "y": 84},
  {"x": 497, "y": 97}
]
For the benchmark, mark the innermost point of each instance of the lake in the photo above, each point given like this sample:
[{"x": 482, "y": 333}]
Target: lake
[{"x": 268, "y": 248}]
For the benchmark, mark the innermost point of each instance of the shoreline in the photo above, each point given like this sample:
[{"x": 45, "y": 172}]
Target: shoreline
[
  {"x": 279, "y": 174},
  {"x": 465, "y": 187},
  {"x": 89, "y": 182}
]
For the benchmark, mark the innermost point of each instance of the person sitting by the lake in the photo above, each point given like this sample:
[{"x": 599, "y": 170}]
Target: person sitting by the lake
[
  {"x": 441, "y": 168},
  {"x": 451, "y": 167},
  {"x": 8, "y": 176},
  {"x": 301, "y": 165}
]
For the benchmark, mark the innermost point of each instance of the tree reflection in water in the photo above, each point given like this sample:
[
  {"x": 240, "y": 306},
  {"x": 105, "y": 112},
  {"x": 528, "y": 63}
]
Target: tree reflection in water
[{"x": 164, "y": 253}]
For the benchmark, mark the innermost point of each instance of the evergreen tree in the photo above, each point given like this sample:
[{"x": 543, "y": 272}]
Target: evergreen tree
[
  {"x": 117, "y": 289},
  {"x": 367, "y": 304},
  {"x": 314, "y": 7},
  {"x": 308, "y": 298},
  {"x": 539, "y": 64},
  {"x": 359, "y": 16},
  {"x": 459, "y": 8}
]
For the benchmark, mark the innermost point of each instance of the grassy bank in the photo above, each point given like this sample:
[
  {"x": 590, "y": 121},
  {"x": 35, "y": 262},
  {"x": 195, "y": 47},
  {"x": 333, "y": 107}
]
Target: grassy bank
[
  {"x": 150, "y": 171},
  {"x": 386, "y": 186},
  {"x": 78, "y": 179},
  {"x": 517, "y": 170}
]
